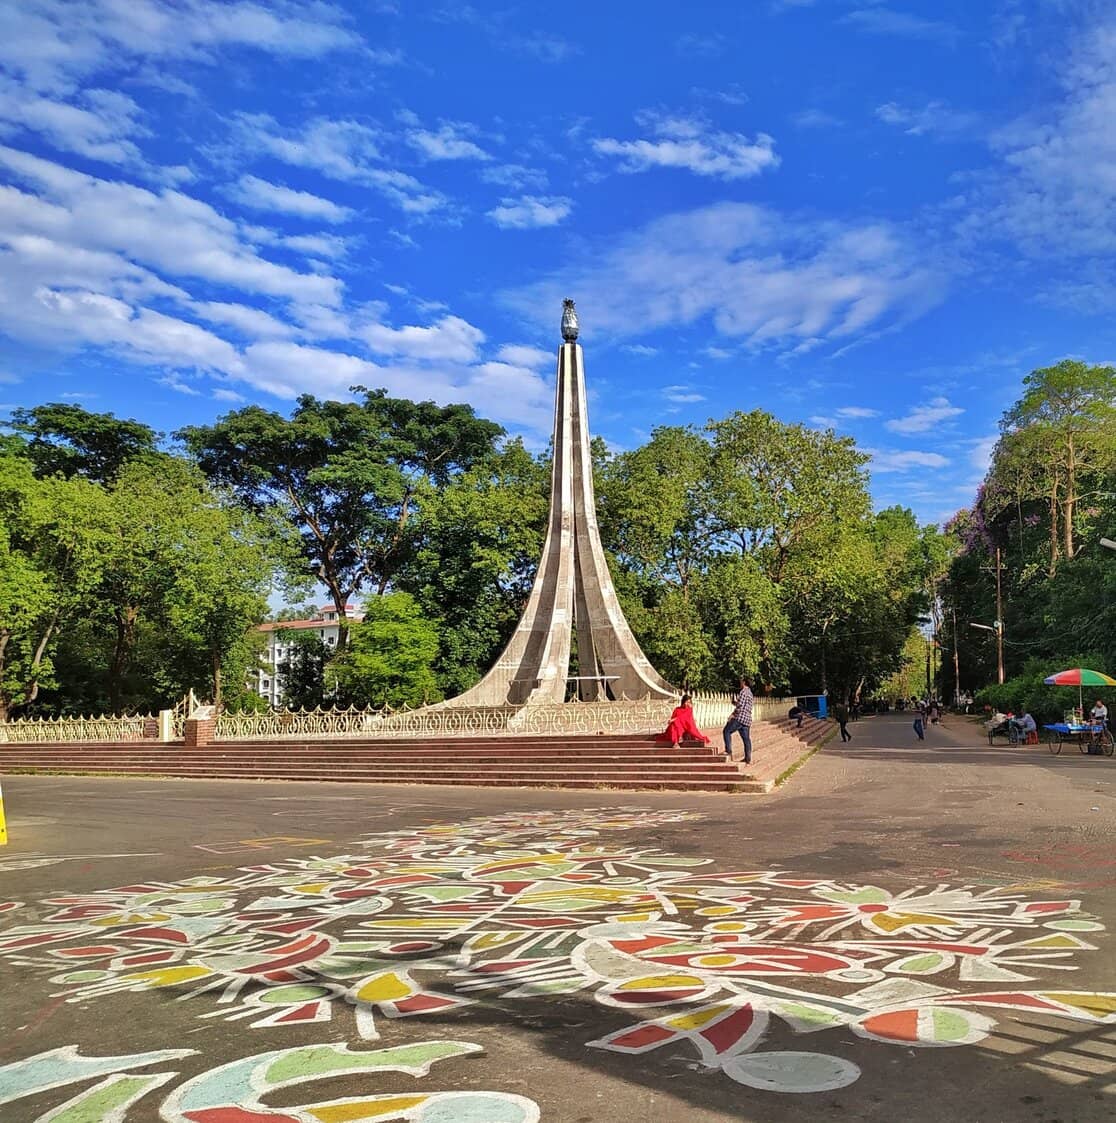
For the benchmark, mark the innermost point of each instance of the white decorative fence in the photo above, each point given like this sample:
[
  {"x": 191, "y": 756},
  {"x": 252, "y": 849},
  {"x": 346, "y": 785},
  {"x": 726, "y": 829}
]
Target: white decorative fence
[
  {"x": 711, "y": 711},
  {"x": 40, "y": 731}
]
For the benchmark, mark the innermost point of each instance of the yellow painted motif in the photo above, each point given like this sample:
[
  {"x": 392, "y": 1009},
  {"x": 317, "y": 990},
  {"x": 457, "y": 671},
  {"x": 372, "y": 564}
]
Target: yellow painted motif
[
  {"x": 697, "y": 1019},
  {"x": 3, "y": 824},
  {"x": 1060, "y": 941},
  {"x": 662, "y": 982},
  {"x": 168, "y": 976},
  {"x": 386, "y": 1108},
  {"x": 384, "y": 988},
  {"x": 1098, "y": 1005},
  {"x": 893, "y": 921}
]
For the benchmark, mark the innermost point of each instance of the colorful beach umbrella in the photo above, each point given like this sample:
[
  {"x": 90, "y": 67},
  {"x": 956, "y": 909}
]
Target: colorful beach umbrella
[{"x": 1080, "y": 677}]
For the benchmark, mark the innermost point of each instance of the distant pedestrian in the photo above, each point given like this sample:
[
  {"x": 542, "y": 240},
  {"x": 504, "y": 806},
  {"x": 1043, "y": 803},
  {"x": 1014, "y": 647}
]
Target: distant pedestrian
[
  {"x": 919, "y": 727},
  {"x": 682, "y": 724},
  {"x": 741, "y": 721},
  {"x": 796, "y": 713},
  {"x": 841, "y": 713}
]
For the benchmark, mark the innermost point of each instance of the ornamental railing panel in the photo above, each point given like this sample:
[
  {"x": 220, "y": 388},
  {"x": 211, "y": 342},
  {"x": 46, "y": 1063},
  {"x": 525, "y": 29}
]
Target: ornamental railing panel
[
  {"x": 70, "y": 730},
  {"x": 429, "y": 721}
]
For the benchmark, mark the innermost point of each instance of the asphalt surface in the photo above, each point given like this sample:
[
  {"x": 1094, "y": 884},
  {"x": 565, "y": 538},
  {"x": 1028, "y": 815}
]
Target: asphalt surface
[{"x": 897, "y": 831}]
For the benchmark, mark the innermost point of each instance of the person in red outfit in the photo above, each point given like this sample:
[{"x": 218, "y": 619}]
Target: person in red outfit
[{"x": 682, "y": 724}]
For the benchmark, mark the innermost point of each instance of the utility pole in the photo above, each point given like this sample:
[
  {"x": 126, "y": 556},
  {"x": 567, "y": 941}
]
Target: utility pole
[
  {"x": 956, "y": 664},
  {"x": 999, "y": 621}
]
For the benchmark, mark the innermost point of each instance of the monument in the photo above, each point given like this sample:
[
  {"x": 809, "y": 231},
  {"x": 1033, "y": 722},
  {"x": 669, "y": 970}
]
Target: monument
[{"x": 573, "y": 601}]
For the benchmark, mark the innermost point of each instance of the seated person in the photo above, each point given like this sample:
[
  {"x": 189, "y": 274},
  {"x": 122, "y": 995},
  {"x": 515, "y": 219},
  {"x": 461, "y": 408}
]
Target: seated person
[
  {"x": 798, "y": 713},
  {"x": 682, "y": 724},
  {"x": 1028, "y": 724},
  {"x": 997, "y": 723},
  {"x": 1099, "y": 714}
]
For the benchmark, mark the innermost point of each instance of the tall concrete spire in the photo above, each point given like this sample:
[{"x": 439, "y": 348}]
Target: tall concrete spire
[{"x": 573, "y": 592}]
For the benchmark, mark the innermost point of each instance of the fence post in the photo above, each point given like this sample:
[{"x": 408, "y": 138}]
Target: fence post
[
  {"x": 166, "y": 726},
  {"x": 199, "y": 732}
]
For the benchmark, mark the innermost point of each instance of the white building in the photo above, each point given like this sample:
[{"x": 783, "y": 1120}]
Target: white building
[{"x": 325, "y": 624}]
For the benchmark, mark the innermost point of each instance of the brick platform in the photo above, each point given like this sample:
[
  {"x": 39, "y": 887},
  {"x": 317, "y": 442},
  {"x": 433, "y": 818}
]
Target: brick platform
[{"x": 622, "y": 762}]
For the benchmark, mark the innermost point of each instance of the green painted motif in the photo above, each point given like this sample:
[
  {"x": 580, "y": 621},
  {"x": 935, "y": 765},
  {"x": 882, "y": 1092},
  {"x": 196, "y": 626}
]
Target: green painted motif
[
  {"x": 324, "y": 1060},
  {"x": 284, "y": 996},
  {"x": 112, "y": 1095}
]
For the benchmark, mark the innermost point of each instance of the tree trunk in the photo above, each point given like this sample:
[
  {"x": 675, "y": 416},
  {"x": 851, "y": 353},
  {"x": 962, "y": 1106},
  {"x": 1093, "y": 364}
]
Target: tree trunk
[
  {"x": 1071, "y": 497},
  {"x": 126, "y": 617},
  {"x": 5, "y": 637},
  {"x": 1054, "y": 527},
  {"x": 31, "y": 687},
  {"x": 215, "y": 658}
]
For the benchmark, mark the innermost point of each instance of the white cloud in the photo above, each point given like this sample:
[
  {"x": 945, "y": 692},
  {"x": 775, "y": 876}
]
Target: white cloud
[
  {"x": 695, "y": 45},
  {"x": 640, "y": 349},
  {"x": 449, "y": 142},
  {"x": 683, "y": 142},
  {"x": 682, "y": 394},
  {"x": 816, "y": 119},
  {"x": 251, "y": 322},
  {"x": 522, "y": 355},
  {"x": 890, "y": 460},
  {"x": 328, "y": 246},
  {"x": 222, "y": 395},
  {"x": 450, "y": 339},
  {"x": 341, "y": 149},
  {"x": 164, "y": 230},
  {"x": 53, "y": 44},
  {"x": 503, "y": 391},
  {"x": 857, "y": 412},
  {"x": 923, "y": 418},
  {"x": 823, "y": 422},
  {"x": 887, "y": 21},
  {"x": 517, "y": 177},
  {"x": 546, "y": 48},
  {"x": 935, "y": 118},
  {"x": 174, "y": 382},
  {"x": 756, "y": 274},
  {"x": 1053, "y": 194},
  {"x": 98, "y": 126},
  {"x": 265, "y": 196},
  {"x": 531, "y": 211},
  {"x": 981, "y": 455}
]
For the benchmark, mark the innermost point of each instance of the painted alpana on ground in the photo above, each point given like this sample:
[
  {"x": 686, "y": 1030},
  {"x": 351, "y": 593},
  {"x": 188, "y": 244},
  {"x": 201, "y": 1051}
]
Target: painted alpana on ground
[{"x": 532, "y": 906}]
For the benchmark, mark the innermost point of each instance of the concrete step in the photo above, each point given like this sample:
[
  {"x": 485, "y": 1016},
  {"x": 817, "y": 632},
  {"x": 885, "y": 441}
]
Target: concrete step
[
  {"x": 633, "y": 762},
  {"x": 634, "y": 769},
  {"x": 726, "y": 782}
]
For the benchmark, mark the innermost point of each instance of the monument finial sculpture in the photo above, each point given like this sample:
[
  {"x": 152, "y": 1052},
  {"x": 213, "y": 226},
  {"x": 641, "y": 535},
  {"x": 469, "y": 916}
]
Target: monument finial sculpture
[
  {"x": 573, "y": 592},
  {"x": 569, "y": 321}
]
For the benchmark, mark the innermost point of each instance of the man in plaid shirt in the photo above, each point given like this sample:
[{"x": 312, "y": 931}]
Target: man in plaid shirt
[{"x": 741, "y": 722}]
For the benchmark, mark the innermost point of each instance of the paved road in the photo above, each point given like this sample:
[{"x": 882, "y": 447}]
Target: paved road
[{"x": 907, "y": 930}]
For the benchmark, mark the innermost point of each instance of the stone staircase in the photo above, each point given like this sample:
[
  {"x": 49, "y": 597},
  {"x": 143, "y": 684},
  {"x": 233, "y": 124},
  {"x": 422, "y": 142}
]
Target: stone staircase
[{"x": 626, "y": 762}]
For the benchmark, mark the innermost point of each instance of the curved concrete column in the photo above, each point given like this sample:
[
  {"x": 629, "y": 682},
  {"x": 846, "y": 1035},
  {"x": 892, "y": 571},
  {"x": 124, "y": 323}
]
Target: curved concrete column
[{"x": 573, "y": 590}]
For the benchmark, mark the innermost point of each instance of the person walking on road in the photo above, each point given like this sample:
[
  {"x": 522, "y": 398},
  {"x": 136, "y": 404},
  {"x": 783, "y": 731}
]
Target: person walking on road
[
  {"x": 841, "y": 713},
  {"x": 919, "y": 723},
  {"x": 741, "y": 721}
]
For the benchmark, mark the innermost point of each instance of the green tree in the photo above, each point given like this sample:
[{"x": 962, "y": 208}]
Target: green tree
[
  {"x": 302, "y": 672},
  {"x": 479, "y": 539},
  {"x": 349, "y": 476},
  {"x": 67, "y": 440},
  {"x": 390, "y": 657},
  {"x": 1067, "y": 418},
  {"x": 51, "y": 558}
]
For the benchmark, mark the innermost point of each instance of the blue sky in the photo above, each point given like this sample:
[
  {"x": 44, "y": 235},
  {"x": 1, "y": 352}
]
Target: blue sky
[{"x": 875, "y": 216}]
